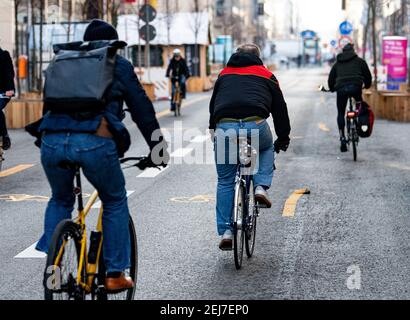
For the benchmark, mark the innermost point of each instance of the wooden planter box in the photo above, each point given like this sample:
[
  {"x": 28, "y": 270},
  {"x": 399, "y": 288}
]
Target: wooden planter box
[
  {"x": 389, "y": 105},
  {"x": 150, "y": 90},
  {"x": 21, "y": 112}
]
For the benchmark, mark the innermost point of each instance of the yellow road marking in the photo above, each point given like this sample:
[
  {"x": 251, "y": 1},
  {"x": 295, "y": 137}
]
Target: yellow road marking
[
  {"x": 291, "y": 203},
  {"x": 187, "y": 104},
  {"x": 323, "y": 127},
  {"x": 15, "y": 170}
]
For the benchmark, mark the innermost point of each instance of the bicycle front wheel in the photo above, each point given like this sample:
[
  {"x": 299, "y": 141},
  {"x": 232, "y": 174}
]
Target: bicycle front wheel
[
  {"x": 62, "y": 267},
  {"x": 131, "y": 272},
  {"x": 238, "y": 225}
]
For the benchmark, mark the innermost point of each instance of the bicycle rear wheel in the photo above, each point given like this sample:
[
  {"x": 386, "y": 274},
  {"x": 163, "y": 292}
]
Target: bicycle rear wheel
[
  {"x": 251, "y": 218},
  {"x": 238, "y": 225},
  {"x": 60, "y": 275},
  {"x": 131, "y": 272}
]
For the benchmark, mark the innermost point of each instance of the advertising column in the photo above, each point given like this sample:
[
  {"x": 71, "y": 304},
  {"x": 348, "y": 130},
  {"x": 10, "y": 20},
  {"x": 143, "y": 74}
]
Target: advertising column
[{"x": 395, "y": 61}]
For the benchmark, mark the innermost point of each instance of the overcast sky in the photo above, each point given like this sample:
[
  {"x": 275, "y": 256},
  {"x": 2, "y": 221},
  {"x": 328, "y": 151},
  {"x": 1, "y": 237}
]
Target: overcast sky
[{"x": 322, "y": 16}]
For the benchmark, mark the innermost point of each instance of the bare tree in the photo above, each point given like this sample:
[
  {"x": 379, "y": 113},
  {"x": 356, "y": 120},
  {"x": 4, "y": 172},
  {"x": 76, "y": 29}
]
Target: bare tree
[
  {"x": 171, "y": 7},
  {"x": 196, "y": 25}
]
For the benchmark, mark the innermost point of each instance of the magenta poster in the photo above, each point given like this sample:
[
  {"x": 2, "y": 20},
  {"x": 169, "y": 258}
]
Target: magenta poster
[{"x": 395, "y": 59}]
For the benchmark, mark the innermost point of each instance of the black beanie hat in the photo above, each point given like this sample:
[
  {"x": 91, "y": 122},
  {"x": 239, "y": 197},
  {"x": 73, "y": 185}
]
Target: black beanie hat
[
  {"x": 348, "y": 47},
  {"x": 100, "y": 30}
]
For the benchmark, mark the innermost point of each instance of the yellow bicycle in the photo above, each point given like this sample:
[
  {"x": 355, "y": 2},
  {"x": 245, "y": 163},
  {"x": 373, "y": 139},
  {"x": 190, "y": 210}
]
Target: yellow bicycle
[
  {"x": 177, "y": 99},
  {"x": 75, "y": 267}
]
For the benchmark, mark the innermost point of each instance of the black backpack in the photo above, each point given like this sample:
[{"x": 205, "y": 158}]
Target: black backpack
[{"x": 79, "y": 76}]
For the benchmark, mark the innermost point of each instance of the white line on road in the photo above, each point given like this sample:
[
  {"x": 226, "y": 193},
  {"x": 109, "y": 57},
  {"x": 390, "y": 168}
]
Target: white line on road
[
  {"x": 200, "y": 139},
  {"x": 31, "y": 253},
  {"x": 152, "y": 172},
  {"x": 182, "y": 152},
  {"x": 97, "y": 205}
]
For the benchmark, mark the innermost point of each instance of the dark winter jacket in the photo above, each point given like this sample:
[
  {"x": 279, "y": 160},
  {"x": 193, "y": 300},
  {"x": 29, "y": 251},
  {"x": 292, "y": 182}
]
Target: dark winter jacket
[
  {"x": 246, "y": 88},
  {"x": 349, "y": 70},
  {"x": 6, "y": 72},
  {"x": 125, "y": 88},
  {"x": 178, "y": 68}
]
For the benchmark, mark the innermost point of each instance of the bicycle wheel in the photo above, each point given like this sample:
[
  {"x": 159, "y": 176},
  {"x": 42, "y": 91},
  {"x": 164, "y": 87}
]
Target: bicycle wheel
[
  {"x": 251, "y": 217},
  {"x": 131, "y": 272},
  {"x": 355, "y": 139},
  {"x": 177, "y": 102},
  {"x": 238, "y": 225},
  {"x": 1, "y": 151},
  {"x": 354, "y": 151},
  {"x": 60, "y": 276}
]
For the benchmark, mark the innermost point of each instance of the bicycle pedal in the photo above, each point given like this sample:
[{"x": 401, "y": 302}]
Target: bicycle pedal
[{"x": 262, "y": 206}]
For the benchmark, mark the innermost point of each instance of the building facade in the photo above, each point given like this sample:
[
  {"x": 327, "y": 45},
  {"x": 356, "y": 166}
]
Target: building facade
[{"x": 6, "y": 25}]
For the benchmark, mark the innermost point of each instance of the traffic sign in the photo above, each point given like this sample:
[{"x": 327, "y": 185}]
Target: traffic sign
[
  {"x": 147, "y": 13},
  {"x": 344, "y": 40},
  {"x": 148, "y": 32},
  {"x": 333, "y": 43},
  {"x": 308, "y": 34},
  {"x": 345, "y": 28}
]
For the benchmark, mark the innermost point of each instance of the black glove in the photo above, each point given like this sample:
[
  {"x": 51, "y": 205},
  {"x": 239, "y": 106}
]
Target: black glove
[
  {"x": 149, "y": 162},
  {"x": 282, "y": 144}
]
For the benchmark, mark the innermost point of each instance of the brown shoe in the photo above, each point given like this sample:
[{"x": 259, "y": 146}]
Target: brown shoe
[
  {"x": 118, "y": 284},
  {"x": 226, "y": 241}
]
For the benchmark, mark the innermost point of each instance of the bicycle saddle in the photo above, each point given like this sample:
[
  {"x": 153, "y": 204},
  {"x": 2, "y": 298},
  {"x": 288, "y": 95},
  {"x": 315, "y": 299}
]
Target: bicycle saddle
[{"x": 69, "y": 165}]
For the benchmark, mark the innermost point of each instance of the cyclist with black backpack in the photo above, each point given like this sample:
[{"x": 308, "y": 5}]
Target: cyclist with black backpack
[
  {"x": 85, "y": 88},
  {"x": 348, "y": 76}
]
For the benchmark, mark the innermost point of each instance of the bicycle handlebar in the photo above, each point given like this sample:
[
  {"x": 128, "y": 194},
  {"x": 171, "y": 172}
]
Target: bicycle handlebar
[
  {"x": 323, "y": 89},
  {"x": 143, "y": 162},
  {"x": 3, "y": 96}
]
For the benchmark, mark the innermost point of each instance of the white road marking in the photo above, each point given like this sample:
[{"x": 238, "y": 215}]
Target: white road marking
[
  {"x": 97, "y": 205},
  {"x": 31, "y": 253},
  {"x": 182, "y": 152},
  {"x": 199, "y": 139},
  {"x": 152, "y": 172}
]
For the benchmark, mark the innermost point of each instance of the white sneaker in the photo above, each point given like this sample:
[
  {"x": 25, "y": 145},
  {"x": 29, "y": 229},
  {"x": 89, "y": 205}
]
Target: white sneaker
[
  {"x": 261, "y": 197},
  {"x": 226, "y": 241}
]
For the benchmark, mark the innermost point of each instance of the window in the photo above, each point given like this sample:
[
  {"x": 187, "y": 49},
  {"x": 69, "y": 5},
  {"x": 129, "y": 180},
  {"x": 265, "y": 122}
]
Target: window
[
  {"x": 220, "y": 8},
  {"x": 156, "y": 57},
  {"x": 193, "y": 58}
]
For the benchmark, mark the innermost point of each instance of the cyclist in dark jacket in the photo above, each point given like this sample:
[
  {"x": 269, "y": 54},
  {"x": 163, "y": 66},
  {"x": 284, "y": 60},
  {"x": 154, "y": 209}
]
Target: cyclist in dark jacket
[
  {"x": 347, "y": 77},
  {"x": 178, "y": 72},
  {"x": 6, "y": 88},
  {"x": 245, "y": 95},
  {"x": 93, "y": 143}
]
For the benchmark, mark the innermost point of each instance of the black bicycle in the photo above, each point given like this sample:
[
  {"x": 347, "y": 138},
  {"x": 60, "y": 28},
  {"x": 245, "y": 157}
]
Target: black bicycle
[
  {"x": 351, "y": 124},
  {"x": 246, "y": 209}
]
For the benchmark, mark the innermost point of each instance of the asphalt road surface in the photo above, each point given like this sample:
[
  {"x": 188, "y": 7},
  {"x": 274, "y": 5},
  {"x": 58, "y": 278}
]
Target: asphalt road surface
[{"x": 348, "y": 239}]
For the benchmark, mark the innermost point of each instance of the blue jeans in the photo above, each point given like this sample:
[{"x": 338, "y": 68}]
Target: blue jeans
[
  {"x": 100, "y": 164},
  {"x": 226, "y": 136}
]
